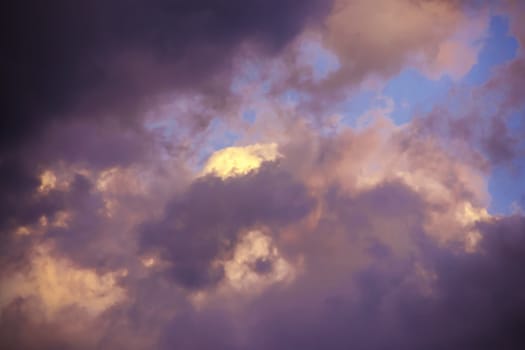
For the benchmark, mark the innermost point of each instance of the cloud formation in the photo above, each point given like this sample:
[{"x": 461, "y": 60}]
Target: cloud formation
[
  {"x": 183, "y": 175},
  {"x": 63, "y": 60}
]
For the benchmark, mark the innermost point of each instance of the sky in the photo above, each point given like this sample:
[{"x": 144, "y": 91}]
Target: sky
[{"x": 262, "y": 174}]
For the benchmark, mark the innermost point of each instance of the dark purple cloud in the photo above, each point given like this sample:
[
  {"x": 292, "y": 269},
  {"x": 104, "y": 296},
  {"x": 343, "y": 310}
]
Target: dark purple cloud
[
  {"x": 473, "y": 300},
  {"x": 203, "y": 223},
  {"x": 101, "y": 58},
  {"x": 433, "y": 297},
  {"x": 21, "y": 206}
]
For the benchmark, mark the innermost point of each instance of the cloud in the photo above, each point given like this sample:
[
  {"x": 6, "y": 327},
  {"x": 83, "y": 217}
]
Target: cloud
[
  {"x": 65, "y": 60},
  {"x": 303, "y": 232},
  {"x": 258, "y": 259},
  {"x": 59, "y": 285},
  {"x": 203, "y": 224},
  {"x": 234, "y": 161},
  {"x": 371, "y": 43},
  {"x": 387, "y": 303}
]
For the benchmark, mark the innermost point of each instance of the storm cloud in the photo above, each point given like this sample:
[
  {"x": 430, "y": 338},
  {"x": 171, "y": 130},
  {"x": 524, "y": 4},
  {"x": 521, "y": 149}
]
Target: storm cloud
[{"x": 215, "y": 175}]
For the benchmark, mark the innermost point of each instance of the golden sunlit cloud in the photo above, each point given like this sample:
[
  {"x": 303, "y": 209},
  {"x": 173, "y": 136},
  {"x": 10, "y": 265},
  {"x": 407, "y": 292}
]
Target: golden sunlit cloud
[
  {"x": 148, "y": 262},
  {"x": 255, "y": 265},
  {"x": 48, "y": 181},
  {"x": 235, "y": 161},
  {"x": 256, "y": 247},
  {"x": 60, "y": 219},
  {"x": 59, "y": 284}
]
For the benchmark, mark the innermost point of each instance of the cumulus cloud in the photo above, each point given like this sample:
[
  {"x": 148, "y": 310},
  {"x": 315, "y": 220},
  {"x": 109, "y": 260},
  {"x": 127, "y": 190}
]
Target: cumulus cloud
[
  {"x": 363, "y": 43},
  {"x": 371, "y": 38},
  {"x": 141, "y": 209}
]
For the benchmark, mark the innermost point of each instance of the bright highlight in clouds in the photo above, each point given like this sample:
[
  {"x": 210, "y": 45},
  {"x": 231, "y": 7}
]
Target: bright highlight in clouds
[{"x": 234, "y": 161}]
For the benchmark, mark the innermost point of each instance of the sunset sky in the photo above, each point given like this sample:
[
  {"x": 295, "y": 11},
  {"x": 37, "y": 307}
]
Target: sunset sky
[{"x": 262, "y": 175}]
